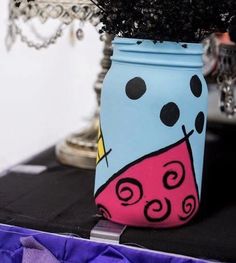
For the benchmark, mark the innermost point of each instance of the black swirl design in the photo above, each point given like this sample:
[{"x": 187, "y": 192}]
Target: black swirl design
[
  {"x": 129, "y": 191},
  {"x": 104, "y": 211},
  {"x": 174, "y": 178},
  {"x": 189, "y": 206},
  {"x": 154, "y": 209}
]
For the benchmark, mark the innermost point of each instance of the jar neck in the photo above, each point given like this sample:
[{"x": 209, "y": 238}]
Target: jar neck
[{"x": 166, "y": 54}]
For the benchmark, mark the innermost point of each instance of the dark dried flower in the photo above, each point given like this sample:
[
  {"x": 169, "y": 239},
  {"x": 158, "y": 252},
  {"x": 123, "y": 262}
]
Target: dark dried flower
[{"x": 166, "y": 20}]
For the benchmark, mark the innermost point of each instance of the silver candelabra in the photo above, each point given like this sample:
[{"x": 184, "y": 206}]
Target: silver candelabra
[
  {"x": 81, "y": 149},
  {"x": 78, "y": 149}
]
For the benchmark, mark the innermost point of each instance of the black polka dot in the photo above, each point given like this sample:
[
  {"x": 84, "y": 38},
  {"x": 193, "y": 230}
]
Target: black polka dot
[
  {"x": 170, "y": 114},
  {"x": 199, "y": 122},
  {"x": 196, "y": 86},
  {"x": 135, "y": 88}
]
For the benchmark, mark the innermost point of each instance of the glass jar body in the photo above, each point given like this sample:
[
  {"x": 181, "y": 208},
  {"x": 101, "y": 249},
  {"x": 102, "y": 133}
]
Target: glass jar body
[{"x": 152, "y": 134}]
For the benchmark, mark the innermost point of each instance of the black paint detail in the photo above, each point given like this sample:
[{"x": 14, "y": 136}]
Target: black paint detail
[
  {"x": 139, "y": 42},
  {"x": 191, "y": 156},
  {"x": 196, "y": 86},
  {"x": 172, "y": 179},
  {"x": 170, "y": 114},
  {"x": 128, "y": 185},
  {"x": 105, "y": 157},
  {"x": 189, "y": 206},
  {"x": 185, "y": 45},
  {"x": 125, "y": 168},
  {"x": 135, "y": 88},
  {"x": 107, "y": 152},
  {"x": 159, "y": 208},
  {"x": 104, "y": 211},
  {"x": 199, "y": 122}
]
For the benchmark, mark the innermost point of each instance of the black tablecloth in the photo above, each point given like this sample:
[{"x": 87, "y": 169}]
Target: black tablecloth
[{"x": 61, "y": 200}]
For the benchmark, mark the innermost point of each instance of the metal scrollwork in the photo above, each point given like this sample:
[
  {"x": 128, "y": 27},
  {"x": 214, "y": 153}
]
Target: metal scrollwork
[{"x": 66, "y": 11}]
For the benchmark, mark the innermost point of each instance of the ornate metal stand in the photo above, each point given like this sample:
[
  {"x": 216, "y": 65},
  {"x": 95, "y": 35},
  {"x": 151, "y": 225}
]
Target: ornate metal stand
[
  {"x": 78, "y": 149},
  {"x": 227, "y": 79},
  {"x": 220, "y": 64},
  {"x": 81, "y": 149}
]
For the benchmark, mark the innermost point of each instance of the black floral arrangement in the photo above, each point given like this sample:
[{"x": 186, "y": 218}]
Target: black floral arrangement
[{"x": 167, "y": 20}]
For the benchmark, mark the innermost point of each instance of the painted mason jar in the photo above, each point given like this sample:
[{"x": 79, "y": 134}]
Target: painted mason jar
[{"x": 152, "y": 134}]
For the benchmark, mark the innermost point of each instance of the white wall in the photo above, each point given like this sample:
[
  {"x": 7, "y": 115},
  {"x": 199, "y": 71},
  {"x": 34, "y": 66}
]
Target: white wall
[{"x": 44, "y": 95}]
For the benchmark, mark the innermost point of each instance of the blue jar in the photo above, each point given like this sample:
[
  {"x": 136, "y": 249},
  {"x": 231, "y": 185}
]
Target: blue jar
[{"x": 152, "y": 134}]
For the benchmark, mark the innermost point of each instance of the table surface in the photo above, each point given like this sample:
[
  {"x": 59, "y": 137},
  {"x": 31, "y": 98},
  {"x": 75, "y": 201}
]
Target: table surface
[{"x": 60, "y": 200}]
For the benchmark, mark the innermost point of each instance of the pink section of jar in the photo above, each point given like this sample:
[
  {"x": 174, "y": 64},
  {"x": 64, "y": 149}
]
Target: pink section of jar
[{"x": 158, "y": 190}]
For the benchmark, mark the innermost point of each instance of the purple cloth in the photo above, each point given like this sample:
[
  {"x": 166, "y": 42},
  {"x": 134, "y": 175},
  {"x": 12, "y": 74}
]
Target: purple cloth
[
  {"x": 110, "y": 255},
  {"x": 14, "y": 246},
  {"x": 34, "y": 252}
]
